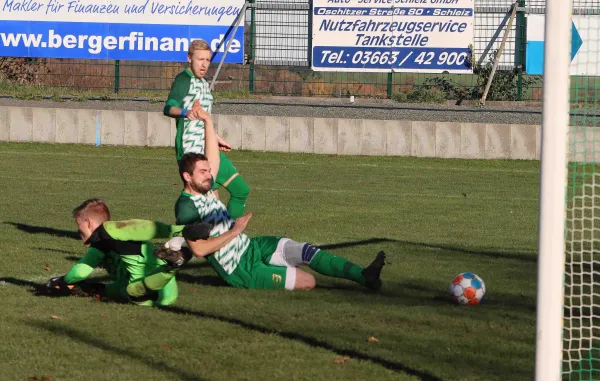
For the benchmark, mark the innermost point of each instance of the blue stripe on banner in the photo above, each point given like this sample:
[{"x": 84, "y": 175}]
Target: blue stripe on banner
[
  {"x": 534, "y": 63},
  {"x": 353, "y": 57},
  {"x": 144, "y": 42}
]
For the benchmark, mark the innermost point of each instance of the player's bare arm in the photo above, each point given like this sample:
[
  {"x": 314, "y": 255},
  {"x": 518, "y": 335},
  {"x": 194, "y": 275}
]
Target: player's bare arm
[
  {"x": 202, "y": 248},
  {"x": 211, "y": 146}
]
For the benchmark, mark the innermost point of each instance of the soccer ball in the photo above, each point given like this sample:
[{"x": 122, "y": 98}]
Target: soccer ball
[{"x": 467, "y": 288}]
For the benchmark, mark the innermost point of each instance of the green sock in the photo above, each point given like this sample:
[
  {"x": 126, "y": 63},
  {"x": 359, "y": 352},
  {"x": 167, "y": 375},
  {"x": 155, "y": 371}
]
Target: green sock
[
  {"x": 331, "y": 265},
  {"x": 159, "y": 280},
  {"x": 141, "y": 230},
  {"x": 149, "y": 284},
  {"x": 238, "y": 193}
]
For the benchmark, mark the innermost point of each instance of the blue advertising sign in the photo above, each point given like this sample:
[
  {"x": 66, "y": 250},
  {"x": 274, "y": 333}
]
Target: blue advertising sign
[{"x": 145, "y": 30}]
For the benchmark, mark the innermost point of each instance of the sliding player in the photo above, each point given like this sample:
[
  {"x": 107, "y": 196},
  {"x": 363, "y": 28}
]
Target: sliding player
[{"x": 259, "y": 262}]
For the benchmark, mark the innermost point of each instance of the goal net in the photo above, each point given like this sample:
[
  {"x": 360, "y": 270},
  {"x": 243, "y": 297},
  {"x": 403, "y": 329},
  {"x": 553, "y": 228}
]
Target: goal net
[
  {"x": 568, "y": 315},
  {"x": 581, "y": 332}
]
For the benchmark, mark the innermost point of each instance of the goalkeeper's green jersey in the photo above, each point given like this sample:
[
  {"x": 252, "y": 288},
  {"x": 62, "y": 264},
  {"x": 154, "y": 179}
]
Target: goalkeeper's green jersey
[
  {"x": 209, "y": 209},
  {"x": 125, "y": 260},
  {"x": 185, "y": 90},
  {"x": 95, "y": 258}
]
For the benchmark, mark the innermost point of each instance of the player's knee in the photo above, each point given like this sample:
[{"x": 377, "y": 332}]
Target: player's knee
[
  {"x": 245, "y": 192},
  {"x": 237, "y": 187},
  {"x": 304, "y": 281},
  {"x": 136, "y": 289},
  {"x": 296, "y": 253}
]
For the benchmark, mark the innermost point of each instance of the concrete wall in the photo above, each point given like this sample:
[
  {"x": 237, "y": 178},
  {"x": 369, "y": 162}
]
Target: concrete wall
[{"x": 282, "y": 134}]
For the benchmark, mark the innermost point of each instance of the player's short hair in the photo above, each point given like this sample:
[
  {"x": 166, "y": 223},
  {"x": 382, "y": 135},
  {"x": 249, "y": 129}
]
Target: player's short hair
[
  {"x": 188, "y": 163},
  {"x": 198, "y": 45},
  {"x": 92, "y": 208}
]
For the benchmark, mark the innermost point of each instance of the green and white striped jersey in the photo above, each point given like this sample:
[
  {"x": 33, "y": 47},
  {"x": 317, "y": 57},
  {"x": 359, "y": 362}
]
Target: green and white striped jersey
[
  {"x": 209, "y": 209},
  {"x": 185, "y": 90}
]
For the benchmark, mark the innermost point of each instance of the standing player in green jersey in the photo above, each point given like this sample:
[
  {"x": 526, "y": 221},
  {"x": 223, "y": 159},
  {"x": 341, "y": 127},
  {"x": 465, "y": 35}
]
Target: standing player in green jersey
[
  {"x": 259, "y": 262},
  {"x": 188, "y": 89},
  {"x": 123, "y": 248}
]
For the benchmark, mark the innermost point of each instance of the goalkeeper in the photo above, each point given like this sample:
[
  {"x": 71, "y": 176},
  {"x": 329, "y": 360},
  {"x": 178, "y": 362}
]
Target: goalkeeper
[
  {"x": 189, "y": 92},
  {"x": 124, "y": 249}
]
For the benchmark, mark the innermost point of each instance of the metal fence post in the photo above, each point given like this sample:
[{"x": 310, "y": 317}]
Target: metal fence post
[
  {"x": 251, "y": 53},
  {"x": 117, "y": 75},
  {"x": 513, "y": 16},
  {"x": 389, "y": 85},
  {"x": 237, "y": 22},
  {"x": 520, "y": 47},
  {"x": 310, "y": 36}
]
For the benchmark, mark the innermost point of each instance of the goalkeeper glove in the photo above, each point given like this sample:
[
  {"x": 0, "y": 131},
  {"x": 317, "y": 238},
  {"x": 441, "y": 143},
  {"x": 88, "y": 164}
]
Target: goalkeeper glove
[
  {"x": 56, "y": 283},
  {"x": 57, "y": 286}
]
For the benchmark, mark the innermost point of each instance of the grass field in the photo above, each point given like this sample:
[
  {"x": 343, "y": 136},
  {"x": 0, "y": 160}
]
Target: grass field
[{"x": 435, "y": 218}]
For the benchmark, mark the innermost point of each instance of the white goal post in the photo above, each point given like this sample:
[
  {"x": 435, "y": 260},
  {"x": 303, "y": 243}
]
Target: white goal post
[{"x": 551, "y": 244}]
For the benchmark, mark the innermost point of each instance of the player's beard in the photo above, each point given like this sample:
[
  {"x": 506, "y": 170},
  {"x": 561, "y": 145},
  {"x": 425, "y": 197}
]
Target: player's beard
[{"x": 200, "y": 187}]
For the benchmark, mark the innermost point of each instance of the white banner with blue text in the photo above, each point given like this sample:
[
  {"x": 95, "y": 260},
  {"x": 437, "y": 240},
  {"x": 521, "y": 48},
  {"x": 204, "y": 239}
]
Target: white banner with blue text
[
  {"x": 145, "y": 30},
  {"x": 427, "y": 36}
]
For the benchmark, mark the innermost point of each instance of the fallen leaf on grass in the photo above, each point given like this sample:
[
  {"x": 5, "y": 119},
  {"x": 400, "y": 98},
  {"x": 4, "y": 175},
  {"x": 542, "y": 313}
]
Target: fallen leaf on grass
[
  {"x": 47, "y": 267},
  {"x": 55, "y": 317},
  {"x": 373, "y": 339},
  {"x": 341, "y": 360},
  {"x": 167, "y": 347}
]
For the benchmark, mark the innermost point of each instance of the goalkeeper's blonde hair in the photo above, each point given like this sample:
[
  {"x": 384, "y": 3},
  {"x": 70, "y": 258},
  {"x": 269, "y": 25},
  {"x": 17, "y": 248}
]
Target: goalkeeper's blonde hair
[
  {"x": 198, "y": 45},
  {"x": 95, "y": 208}
]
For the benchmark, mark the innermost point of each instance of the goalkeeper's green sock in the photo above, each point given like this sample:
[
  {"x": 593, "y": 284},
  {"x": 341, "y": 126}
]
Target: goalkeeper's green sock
[
  {"x": 141, "y": 230},
  {"x": 149, "y": 284}
]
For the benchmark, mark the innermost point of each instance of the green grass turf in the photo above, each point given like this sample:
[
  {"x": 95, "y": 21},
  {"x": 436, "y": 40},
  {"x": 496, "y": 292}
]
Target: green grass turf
[{"x": 435, "y": 218}]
